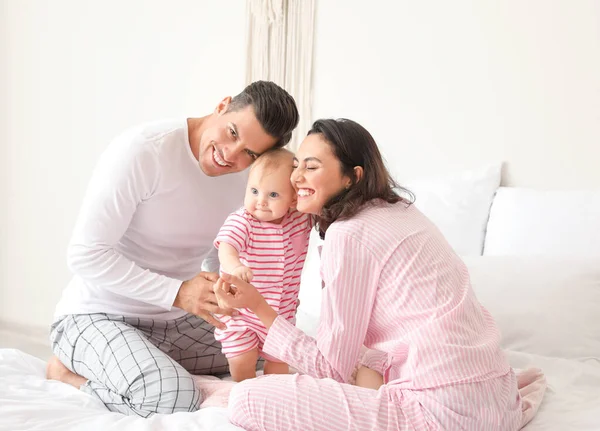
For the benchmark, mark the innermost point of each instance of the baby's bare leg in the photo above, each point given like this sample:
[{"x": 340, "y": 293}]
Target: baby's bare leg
[
  {"x": 243, "y": 366},
  {"x": 276, "y": 368},
  {"x": 367, "y": 378}
]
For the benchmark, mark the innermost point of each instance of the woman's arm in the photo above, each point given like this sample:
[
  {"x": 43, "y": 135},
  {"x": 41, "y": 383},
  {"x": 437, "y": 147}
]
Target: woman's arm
[
  {"x": 234, "y": 292},
  {"x": 375, "y": 360},
  {"x": 351, "y": 276}
]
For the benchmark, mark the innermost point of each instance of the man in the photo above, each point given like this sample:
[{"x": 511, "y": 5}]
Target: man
[{"x": 137, "y": 317}]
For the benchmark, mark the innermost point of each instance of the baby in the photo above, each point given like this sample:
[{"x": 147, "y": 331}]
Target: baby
[{"x": 265, "y": 243}]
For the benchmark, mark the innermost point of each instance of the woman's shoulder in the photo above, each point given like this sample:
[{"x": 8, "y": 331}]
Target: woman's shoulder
[
  {"x": 376, "y": 212},
  {"x": 382, "y": 223}
]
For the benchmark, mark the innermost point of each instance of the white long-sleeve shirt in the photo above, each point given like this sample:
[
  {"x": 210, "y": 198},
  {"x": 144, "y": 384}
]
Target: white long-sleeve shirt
[{"x": 148, "y": 220}]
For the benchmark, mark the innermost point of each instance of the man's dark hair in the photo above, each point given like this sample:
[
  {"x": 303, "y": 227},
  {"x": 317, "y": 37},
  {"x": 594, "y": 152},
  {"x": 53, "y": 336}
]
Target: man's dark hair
[{"x": 275, "y": 109}]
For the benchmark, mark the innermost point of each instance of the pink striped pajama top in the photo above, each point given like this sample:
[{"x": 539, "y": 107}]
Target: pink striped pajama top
[
  {"x": 394, "y": 284},
  {"x": 275, "y": 253}
]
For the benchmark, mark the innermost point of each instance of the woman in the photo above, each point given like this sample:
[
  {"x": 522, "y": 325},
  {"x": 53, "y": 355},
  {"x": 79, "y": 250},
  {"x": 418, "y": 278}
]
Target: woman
[{"x": 391, "y": 283}]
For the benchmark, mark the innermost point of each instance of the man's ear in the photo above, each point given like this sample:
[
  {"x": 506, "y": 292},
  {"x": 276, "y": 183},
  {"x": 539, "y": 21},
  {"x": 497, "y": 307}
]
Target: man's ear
[{"x": 222, "y": 106}]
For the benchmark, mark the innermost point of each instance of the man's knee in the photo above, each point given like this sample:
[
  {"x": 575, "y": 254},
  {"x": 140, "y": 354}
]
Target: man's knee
[
  {"x": 167, "y": 390},
  {"x": 180, "y": 394}
]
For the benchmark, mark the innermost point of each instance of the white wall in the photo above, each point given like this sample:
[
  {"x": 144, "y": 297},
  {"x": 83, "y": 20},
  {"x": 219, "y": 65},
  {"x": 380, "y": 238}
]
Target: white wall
[
  {"x": 3, "y": 147},
  {"x": 77, "y": 73},
  {"x": 441, "y": 85},
  {"x": 447, "y": 85}
]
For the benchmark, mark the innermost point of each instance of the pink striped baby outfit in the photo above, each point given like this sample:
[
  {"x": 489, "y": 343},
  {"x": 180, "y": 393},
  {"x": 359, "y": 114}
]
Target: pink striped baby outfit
[
  {"x": 275, "y": 253},
  {"x": 393, "y": 284}
]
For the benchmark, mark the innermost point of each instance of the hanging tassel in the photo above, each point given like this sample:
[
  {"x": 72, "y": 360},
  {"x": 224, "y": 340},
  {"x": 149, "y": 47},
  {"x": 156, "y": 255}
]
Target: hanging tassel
[{"x": 280, "y": 49}]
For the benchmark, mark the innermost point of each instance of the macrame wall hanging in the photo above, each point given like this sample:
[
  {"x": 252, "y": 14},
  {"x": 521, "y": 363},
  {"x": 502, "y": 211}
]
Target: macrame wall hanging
[{"x": 280, "y": 49}]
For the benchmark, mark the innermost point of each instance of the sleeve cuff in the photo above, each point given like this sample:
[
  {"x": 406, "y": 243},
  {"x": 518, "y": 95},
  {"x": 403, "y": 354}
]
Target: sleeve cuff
[
  {"x": 280, "y": 334},
  {"x": 375, "y": 360},
  {"x": 171, "y": 294},
  {"x": 229, "y": 241}
]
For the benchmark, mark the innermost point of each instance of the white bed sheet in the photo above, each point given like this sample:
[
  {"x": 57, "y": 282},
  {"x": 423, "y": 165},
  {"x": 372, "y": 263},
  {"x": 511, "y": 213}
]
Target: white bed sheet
[
  {"x": 572, "y": 399},
  {"x": 29, "y": 402}
]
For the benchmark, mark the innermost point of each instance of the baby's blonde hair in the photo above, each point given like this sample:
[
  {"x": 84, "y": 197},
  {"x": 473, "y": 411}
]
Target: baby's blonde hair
[{"x": 273, "y": 159}]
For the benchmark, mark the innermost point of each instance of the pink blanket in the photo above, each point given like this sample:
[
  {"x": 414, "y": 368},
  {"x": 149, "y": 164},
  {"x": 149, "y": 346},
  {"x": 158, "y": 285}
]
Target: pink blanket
[
  {"x": 215, "y": 392},
  {"x": 532, "y": 386},
  {"x": 531, "y": 382}
]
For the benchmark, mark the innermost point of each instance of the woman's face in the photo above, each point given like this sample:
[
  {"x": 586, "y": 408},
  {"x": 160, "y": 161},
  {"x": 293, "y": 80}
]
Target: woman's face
[{"x": 317, "y": 174}]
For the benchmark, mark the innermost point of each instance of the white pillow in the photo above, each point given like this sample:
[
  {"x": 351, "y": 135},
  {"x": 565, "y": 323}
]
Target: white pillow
[
  {"x": 532, "y": 222},
  {"x": 459, "y": 205},
  {"x": 543, "y": 305}
]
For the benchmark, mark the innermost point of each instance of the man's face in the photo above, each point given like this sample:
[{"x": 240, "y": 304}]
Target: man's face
[{"x": 232, "y": 141}]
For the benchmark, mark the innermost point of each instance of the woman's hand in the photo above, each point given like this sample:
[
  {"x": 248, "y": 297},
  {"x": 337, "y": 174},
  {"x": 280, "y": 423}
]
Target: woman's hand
[
  {"x": 233, "y": 292},
  {"x": 368, "y": 378},
  {"x": 197, "y": 296}
]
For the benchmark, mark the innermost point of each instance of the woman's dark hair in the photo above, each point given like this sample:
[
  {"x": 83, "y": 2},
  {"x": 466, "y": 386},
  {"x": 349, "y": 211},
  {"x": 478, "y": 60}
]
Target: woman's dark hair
[
  {"x": 275, "y": 109},
  {"x": 354, "y": 146}
]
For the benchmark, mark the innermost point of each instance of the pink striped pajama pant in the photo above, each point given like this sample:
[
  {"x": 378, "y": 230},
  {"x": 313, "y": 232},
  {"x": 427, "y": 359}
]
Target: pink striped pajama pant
[{"x": 300, "y": 402}]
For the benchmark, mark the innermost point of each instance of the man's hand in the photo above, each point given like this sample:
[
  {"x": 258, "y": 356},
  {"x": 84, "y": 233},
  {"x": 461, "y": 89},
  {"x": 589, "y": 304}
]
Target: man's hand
[
  {"x": 244, "y": 273},
  {"x": 197, "y": 296}
]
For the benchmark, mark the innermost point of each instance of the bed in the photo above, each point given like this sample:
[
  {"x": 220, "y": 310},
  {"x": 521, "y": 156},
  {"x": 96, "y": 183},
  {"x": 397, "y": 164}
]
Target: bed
[{"x": 534, "y": 260}]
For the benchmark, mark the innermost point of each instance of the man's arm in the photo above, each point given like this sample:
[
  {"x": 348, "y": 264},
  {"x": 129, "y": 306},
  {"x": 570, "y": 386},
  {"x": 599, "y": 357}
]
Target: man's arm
[
  {"x": 211, "y": 261},
  {"x": 126, "y": 175}
]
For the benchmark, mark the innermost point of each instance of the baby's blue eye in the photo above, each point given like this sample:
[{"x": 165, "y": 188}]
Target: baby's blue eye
[
  {"x": 273, "y": 195},
  {"x": 254, "y": 191}
]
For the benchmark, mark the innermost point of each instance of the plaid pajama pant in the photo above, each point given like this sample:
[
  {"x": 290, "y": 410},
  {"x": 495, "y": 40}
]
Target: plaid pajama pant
[{"x": 139, "y": 366}]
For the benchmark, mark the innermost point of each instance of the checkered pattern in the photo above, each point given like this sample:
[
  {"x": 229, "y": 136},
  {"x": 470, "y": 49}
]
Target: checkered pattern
[{"x": 139, "y": 366}]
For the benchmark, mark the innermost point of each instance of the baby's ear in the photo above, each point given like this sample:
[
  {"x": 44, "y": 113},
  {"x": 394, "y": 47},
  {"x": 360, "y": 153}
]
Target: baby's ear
[{"x": 294, "y": 201}]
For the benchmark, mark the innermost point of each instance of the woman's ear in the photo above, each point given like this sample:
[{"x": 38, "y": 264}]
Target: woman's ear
[{"x": 358, "y": 173}]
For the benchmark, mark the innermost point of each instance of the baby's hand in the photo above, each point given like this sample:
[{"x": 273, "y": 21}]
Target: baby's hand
[{"x": 244, "y": 273}]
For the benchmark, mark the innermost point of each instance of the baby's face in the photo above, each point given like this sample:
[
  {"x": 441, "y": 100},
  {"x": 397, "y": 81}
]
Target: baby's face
[{"x": 269, "y": 194}]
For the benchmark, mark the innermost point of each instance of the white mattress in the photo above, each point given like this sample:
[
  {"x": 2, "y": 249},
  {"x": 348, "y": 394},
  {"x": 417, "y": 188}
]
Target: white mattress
[
  {"x": 572, "y": 400},
  {"x": 30, "y": 402}
]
